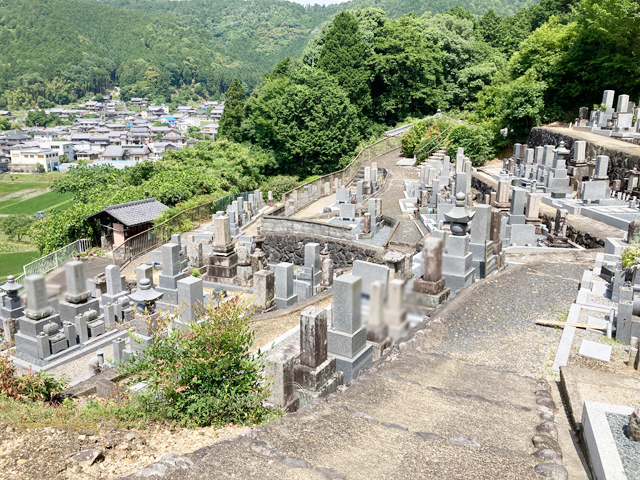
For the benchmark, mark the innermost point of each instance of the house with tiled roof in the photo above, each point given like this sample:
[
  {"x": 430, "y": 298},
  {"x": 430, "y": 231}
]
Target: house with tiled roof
[{"x": 122, "y": 221}]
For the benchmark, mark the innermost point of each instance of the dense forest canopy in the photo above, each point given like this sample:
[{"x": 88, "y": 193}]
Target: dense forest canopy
[{"x": 61, "y": 51}]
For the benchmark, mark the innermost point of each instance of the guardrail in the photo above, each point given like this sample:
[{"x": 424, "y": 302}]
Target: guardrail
[
  {"x": 431, "y": 141},
  {"x": 396, "y": 132},
  {"x": 146, "y": 241},
  {"x": 54, "y": 259},
  {"x": 346, "y": 175}
]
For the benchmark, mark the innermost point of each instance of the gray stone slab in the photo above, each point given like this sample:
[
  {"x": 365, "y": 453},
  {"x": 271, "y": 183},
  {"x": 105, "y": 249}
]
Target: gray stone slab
[
  {"x": 595, "y": 350},
  {"x": 347, "y": 303},
  {"x": 599, "y": 441},
  {"x": 369, "y": 273}
]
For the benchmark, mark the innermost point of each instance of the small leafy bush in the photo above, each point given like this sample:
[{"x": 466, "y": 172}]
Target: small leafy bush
[
  {"x": 480, "y": 142},
  {"x": 204, "y": 375},
  {"x": 631, "y": 257},
  {"x": 279, "y": 185},
  {"x": 33, "y": 386}
]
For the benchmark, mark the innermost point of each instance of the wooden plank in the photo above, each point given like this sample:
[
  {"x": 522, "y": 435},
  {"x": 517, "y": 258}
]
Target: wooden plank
[{"x": 556, "y": 323}]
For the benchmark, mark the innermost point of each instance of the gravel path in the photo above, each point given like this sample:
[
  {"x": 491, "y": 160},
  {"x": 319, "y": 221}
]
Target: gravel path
[{"x": 497, "y": 326}]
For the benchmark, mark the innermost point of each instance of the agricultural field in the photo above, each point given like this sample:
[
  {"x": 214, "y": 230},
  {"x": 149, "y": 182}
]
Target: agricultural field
[{"x": 25, "y": 194}]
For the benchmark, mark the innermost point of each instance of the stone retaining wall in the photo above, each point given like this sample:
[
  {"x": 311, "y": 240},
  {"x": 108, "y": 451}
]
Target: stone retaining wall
[
  {"x": 619, "y": 161},
  {"x": 290, "y": 248},
  {"x": 584, "y": 239},
  {"x": 481, "y": 185}
]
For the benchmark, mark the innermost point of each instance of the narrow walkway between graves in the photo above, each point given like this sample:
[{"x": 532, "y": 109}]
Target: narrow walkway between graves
[
  {"x": 462, "y": 399},
  {"x": 407, "y": 233}
]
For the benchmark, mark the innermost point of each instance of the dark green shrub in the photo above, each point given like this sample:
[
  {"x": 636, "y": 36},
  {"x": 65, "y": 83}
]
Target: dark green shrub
[
  {"x": 279, "y": 185},
  {"x": 480, "y": 142},
  {"x": 204, "y": 375}
]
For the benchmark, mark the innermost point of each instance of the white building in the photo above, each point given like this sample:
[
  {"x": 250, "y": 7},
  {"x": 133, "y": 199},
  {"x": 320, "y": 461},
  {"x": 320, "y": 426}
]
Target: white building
[
  {"x": 28, "y": 159},
  {"x": 61, "y": 148}
]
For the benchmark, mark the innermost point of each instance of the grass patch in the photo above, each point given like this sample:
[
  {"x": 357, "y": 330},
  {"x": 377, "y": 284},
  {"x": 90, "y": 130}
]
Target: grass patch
[
  {"x": 31, "y": 177},
  {"x": 88, "y": 416},
  {"x": 12, "y": 263},
  {"x": 46, "y": 201}
]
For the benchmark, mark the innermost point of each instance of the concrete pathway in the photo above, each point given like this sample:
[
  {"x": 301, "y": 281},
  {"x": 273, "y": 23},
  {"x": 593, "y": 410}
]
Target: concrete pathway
[
  {"x": 407, "y": 234},
  {"x": 461, "y": 399}
]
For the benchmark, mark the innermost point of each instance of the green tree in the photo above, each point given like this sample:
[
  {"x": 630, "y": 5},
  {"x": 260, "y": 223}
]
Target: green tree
[
  {"x": 488, "y": 27},
  {"x": 346, "y": 57},
  {"x": 233, "y": 113},
  {"x": 312, "y": 124},
  {"x": 5, "y": 124},
  {"x": 516, "y": 104},
  {"x": 16, "y": 227},
  {"x": 408, "y": 71}
]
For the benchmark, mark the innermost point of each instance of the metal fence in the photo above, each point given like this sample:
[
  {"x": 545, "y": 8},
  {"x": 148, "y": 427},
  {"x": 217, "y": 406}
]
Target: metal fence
[
  {"x": 346, "y": 175},
  {"x": 186, "y": 220},
  {"x": 55, "y": 259}
]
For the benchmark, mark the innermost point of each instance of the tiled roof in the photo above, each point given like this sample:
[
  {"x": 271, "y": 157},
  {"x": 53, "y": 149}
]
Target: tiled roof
[{"x": 135, "y": 213}]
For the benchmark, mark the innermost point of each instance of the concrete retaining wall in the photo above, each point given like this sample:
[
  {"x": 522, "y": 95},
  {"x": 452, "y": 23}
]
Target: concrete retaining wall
[
  {"x": 289, "y": 226},
  {"x": 619, "y": 161}
]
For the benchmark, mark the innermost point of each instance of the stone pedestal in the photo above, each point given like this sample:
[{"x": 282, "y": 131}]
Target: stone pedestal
[
  {"x": 285, "y": 296},
  {"x": 278, "y": 371},
  {"x": 347, "y": 340},
  {"x": 457, "y": 263},
  {"x": 264, "y": 289}
]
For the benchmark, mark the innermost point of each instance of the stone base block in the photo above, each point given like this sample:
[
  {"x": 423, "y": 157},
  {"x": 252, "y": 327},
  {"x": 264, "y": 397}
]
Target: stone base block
[
  {"x": 106, "y": 298},
  {"x": 351, "y": 367},
  {"x": 458, "y": 282},
  {"x": 224, "y": 280},
  {"x": 314, "y": 378},
  {"x": 346, "y": 344},
  {"x": 377, "y": 335},
  {"x": 68, "y": 311},
  {"x": 425, "y": 300},
  {"x": 307, "y": 396},
  {"x": 26, "y": 345},
  {"x": 394, "y": 316},
  {"x": 396, "y": 332},
  {"x": 223, "y": 249},
  {"x": 169, "y": 295},
  {"x": 430, "y": 288},
  {"x": 285, "y": 302}
]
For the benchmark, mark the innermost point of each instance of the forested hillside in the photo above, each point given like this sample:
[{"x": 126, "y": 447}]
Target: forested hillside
[{"x": 59, "y": 51}]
